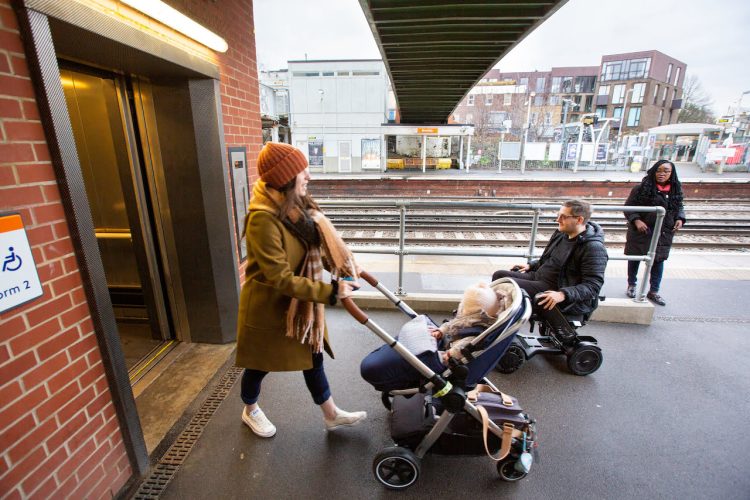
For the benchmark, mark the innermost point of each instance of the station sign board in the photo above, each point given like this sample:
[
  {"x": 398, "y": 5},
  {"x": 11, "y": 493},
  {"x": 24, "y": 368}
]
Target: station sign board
[
  {"x": 19, "y": 281},
  {"x": 427, "y": 130},
  {"x": 714, "y": 154}
]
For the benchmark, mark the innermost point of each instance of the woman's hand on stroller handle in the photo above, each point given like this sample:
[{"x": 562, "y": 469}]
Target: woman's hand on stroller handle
[{"x": 346, "y": 287}]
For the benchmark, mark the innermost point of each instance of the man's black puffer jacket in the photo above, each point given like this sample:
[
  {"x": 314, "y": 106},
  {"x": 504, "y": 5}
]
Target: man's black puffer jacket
[{"x": 582, "y": 275}]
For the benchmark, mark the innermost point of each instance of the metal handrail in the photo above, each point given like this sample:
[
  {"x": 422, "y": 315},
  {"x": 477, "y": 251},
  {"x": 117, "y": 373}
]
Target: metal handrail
[
  {"x": 536, "y": 208},
  {"x": 113, "y": 234}
]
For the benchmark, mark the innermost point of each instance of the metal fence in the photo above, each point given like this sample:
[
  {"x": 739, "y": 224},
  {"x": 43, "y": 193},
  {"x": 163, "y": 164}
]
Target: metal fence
[{"x": 402, "y": 250}]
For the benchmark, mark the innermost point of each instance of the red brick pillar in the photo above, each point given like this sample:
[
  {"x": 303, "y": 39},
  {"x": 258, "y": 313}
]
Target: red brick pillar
[{"x": 59, "y": 434}]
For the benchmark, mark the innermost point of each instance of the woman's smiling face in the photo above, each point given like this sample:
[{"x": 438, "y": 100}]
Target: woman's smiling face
[
  {"x": 663, "y": 173},
  {"x": 300, "y": 187}
]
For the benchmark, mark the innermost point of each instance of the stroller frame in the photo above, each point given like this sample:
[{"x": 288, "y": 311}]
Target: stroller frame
[{"x": 452, "y": 395}]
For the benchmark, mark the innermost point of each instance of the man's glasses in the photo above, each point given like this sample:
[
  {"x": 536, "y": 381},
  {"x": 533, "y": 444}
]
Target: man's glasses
[{"x": 564, "y": 216}]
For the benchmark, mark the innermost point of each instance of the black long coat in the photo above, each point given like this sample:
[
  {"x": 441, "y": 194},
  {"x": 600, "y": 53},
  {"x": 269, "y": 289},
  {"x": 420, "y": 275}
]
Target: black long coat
[{"x": 637, "y": 243}]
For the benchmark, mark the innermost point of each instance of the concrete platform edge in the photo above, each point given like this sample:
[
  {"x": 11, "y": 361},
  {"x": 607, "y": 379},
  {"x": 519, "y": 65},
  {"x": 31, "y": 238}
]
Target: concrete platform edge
[{"x": 611, "y": 310}]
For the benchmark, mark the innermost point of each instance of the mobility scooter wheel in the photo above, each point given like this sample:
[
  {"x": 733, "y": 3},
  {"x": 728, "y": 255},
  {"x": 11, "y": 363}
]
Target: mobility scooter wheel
[
  {"x": 512, "y": 360},
  {"x": 507, "y": 470},
  {"x": 396, "y": 468},
  {"x": 585, "y": 359}
]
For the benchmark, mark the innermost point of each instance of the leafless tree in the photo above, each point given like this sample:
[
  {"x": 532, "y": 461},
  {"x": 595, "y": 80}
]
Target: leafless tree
[{"x": 696, "y": 103}]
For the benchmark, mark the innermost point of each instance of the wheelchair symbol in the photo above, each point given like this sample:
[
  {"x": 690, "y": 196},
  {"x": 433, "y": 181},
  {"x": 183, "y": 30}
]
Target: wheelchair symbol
[{"x": 12, "y": 261}]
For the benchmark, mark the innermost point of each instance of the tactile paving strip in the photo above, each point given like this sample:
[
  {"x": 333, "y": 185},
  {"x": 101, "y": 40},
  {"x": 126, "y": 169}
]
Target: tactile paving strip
[
  {"x": 702, "y": 319},
  {"x": 169, "y": 463}
]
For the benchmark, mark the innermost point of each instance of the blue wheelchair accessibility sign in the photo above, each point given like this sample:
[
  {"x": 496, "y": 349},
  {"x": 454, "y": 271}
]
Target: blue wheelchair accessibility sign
[
  {"x": 12, "y": 261},
  {"x": 19, "y": 281}
]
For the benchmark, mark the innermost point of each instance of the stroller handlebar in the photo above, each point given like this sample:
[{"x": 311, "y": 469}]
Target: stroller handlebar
[
  {"x": 349, "y": 304},
  {"x": 369, "y": 278},
  {"x": 354, "y": 310}
]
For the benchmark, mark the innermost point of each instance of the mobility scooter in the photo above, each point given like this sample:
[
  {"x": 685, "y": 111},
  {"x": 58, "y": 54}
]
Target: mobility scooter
[{"x": 557, "y": 335}]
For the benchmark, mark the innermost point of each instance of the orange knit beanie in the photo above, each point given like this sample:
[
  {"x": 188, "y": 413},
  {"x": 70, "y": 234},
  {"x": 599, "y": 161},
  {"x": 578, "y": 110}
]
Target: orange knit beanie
[{"x": 279, "y": 163}]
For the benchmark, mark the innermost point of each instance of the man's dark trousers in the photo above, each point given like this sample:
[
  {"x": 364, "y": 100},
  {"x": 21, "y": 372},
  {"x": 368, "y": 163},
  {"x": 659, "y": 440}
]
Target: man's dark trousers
[{"x": 526, "y": 281}]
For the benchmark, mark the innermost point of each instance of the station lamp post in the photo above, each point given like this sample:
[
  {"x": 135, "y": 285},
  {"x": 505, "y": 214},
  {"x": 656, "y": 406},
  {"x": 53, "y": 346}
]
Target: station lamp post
[
  {"x": 527, "y": 125},
  {"x": 567, "y": 103},
  {"x": 622, "y": 117}
]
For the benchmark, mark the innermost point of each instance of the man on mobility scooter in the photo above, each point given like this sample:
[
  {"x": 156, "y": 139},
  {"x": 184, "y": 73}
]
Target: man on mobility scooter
[{"x": 565, "y": 283}]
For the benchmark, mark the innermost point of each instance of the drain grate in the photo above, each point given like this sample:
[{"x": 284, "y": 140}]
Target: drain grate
[
  {"x": 702, "y": 319},
  {"x": 156, "y": 482}
]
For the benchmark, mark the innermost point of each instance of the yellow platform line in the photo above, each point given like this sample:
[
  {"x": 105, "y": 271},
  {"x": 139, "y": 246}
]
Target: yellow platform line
[{"x": 151, "y": 360}]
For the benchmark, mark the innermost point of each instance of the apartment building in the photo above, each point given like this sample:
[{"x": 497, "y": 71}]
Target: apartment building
[
  {"x": 645, "y": 86},
  {"x": 642, "y": 89}
]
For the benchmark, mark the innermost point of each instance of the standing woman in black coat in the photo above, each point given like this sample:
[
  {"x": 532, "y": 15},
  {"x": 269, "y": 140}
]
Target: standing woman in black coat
[{"x": 659, "y": 188}]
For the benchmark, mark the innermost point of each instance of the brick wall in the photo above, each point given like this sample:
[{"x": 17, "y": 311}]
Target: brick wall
[
  {"x": 240, "y": 93},
  {"x": 59, "y": 434}
]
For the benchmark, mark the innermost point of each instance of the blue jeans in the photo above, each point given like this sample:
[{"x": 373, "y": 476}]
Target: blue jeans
[
  {"x": 315, "y": 378},
  {"x": 657, "y": 271}
]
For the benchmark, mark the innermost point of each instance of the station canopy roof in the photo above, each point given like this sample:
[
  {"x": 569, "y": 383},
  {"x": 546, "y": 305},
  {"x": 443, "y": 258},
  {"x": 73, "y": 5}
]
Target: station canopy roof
[
  {"x": 437, "y": 50},
  {"x": 684, "y": 129}
]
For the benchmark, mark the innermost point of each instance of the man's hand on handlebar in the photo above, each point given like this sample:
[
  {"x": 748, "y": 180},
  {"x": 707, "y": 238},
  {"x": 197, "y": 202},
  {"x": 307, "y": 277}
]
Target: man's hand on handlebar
[
  {"x": 521, "y": 268},
  {"x": 550, "y": 299}
]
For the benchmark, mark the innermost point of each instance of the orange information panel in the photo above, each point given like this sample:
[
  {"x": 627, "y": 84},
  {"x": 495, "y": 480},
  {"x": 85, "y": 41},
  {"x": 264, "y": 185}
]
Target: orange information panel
[
  {"x": 422, "y": 130},
  {"x": 19, "y": 281}
]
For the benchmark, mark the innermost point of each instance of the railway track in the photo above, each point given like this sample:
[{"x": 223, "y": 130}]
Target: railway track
[{"x": 711, "y": 226}]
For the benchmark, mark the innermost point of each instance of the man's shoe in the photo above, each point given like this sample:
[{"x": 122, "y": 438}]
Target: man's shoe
[
  {"x": 630, "y": 292},
  {"x": 656, "y": 298},
  {"x": 345, "y": 419},
  {"x": 564, "y": 336},
  {"x": 258, "y": 422}
]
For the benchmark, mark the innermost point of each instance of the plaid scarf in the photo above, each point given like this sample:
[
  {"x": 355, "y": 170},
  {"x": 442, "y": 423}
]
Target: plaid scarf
[{"x": 305, "y": 321}]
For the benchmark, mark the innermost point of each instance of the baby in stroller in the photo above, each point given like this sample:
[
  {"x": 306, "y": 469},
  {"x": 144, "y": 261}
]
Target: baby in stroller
[
  {"x": 480, "y": 305},
  {"x": 441, "y": 401},
  {"x": 477, "y": 310}
]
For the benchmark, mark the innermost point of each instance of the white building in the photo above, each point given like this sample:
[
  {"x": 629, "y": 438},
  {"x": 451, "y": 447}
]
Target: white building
[
  {"x": 274, "y": 105},
  {"x": 336, "y": 112}
]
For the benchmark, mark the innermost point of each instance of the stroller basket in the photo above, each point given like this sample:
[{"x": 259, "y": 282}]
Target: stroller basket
[{"x": 443, "y": 396}]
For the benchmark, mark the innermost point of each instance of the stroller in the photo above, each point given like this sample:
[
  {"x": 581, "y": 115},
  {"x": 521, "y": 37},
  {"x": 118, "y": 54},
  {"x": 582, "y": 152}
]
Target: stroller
[{"x": 458, "y": 411}]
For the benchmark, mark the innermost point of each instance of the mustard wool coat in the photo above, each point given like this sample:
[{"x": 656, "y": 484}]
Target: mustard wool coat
[{"x": 274, "y": 258}]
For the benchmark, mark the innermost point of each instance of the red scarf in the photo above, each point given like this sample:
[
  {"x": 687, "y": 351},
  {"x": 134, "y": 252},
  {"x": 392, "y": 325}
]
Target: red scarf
[{"x": 664, "y": 189}]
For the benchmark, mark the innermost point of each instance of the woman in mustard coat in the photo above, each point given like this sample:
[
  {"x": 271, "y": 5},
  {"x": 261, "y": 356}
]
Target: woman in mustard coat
[{"x": 281, "y": 324}]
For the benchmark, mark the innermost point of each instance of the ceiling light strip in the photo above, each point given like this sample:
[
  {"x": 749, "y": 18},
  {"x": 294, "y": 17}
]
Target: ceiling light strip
[{"x": 178, "y": 21}]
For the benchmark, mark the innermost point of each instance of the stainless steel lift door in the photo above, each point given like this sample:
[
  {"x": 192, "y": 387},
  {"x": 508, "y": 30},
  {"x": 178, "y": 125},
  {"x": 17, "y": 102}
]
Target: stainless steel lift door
[{"x": 110, "y": 158}]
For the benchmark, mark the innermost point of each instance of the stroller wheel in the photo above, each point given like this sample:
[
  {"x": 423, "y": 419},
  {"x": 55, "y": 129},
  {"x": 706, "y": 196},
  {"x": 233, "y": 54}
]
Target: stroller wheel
[
  {"x": 508, "y": 471},
  {"x": 512, "y": 360},
  {"x": 396, "y": 468},
  {"x": 585, "y": 359}
]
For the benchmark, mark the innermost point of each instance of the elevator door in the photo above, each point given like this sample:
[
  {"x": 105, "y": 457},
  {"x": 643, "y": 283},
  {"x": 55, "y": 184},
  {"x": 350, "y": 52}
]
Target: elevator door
[{"x": 109, "y": 155}]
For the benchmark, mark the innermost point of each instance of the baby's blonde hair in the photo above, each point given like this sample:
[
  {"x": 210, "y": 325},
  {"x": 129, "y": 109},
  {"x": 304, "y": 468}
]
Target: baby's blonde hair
[{"x": 479, "y": 298}]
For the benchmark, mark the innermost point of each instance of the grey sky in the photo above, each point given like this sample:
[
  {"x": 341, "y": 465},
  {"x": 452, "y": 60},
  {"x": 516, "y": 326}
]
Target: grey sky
[{"x": 711, "y": 36}]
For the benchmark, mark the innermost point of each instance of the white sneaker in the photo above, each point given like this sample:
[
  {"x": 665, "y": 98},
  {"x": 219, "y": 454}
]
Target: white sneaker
[
  {"x": 345, "y": 419},
  {"x": 258, "y": 422}
]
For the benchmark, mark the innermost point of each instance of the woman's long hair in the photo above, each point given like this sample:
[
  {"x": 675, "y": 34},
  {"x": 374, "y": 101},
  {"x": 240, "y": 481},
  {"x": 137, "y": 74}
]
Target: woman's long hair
[
  {"x": 647, "y": 190},
  {"x": 293, "y": 202}
]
